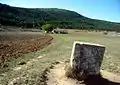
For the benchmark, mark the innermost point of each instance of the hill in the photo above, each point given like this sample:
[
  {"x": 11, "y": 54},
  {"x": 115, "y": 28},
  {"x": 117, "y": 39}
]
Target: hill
[{"x": 36, "y": 17}]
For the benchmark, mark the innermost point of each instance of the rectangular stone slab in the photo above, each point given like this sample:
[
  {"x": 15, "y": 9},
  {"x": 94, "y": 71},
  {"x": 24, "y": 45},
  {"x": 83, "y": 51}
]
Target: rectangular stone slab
[{"x": 87, "y": 57}]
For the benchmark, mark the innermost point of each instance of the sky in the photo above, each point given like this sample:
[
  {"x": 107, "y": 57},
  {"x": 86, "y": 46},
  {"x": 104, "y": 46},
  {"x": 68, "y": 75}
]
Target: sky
[{"x": 108, "y": 10}]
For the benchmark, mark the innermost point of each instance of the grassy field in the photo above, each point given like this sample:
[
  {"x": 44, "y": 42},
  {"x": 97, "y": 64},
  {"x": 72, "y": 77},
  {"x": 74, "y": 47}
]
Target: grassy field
[{"x": 59, "y": 50}]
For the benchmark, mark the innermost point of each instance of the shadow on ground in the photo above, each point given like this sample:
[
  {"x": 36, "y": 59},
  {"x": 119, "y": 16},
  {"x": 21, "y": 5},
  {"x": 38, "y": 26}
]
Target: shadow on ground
[{"x": 98, "y": 80}]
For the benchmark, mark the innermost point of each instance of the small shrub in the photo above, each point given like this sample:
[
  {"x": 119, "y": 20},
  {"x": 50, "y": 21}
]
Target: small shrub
[
  {"x": 73, "y": 73},
  {"x": 105, "y": 33},
  {"x": 48, "y": 28}
]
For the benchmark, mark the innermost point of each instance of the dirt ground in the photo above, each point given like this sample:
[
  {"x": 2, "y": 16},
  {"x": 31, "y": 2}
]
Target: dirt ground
[
  {"x": 15, "y": 44},
  {"x": 57, "y": 77}
]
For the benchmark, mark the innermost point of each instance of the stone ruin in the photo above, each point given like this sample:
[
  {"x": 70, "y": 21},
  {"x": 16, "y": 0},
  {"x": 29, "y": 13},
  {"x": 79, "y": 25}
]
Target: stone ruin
[{"x": 86, "y": 59}]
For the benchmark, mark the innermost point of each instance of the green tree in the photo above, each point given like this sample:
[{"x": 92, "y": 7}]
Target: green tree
[{"x": 47, "y": 27}]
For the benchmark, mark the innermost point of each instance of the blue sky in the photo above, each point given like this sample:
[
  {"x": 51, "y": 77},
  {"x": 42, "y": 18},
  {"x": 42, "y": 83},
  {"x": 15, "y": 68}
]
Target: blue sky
[{"x": 97, "y": 9}]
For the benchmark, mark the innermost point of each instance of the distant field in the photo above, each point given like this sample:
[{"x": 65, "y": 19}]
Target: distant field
[
  {"x": 17, "y": 29},
  {"x": 60, "y": 50}
]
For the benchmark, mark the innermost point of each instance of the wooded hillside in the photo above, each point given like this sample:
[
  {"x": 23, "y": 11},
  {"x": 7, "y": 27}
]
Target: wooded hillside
[{"x": 36, "y": 17}]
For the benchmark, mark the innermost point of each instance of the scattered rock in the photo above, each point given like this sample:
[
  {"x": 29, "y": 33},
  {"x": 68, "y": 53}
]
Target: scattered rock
[
  {"x": 22, "y": 63},
  {"x": 39, "y": 57}
]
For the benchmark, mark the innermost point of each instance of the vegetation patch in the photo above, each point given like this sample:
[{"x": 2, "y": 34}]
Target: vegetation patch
[{"x": 73, "y": 73}]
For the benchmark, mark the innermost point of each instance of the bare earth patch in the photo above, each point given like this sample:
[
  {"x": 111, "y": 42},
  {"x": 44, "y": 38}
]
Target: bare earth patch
[
  {"x": 14, "y": 45},
  {"x": 57, "y": 77}
]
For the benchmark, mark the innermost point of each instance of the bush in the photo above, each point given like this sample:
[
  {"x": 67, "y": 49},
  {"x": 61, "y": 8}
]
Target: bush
[
  {"x": 105, "y": 33},
  {"x": 74, "y": 73},
  {"x": 47, "y": 27}
]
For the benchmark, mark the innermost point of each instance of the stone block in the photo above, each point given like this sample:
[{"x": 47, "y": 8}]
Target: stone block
[{"x": 86, "y": 58}]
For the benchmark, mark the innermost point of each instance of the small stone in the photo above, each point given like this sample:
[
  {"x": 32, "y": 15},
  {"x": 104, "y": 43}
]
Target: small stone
[{"x": 22, "y": 63}]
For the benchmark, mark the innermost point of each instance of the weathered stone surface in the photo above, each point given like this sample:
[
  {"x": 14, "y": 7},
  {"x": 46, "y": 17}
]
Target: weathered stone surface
[{"x": 86, "y": 58}]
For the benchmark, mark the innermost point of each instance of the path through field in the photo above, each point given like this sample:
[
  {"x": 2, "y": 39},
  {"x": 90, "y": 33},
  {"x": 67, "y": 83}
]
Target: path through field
[{"x": 57, "y": 77}]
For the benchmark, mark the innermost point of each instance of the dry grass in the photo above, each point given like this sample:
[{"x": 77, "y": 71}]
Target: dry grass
[{"x": 74, "y": 73}]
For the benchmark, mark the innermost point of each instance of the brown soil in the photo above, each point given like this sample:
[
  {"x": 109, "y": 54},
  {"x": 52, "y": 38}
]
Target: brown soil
[
  {"x": 57, "y": 77},
  {"x": 16, "y": 45}
]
